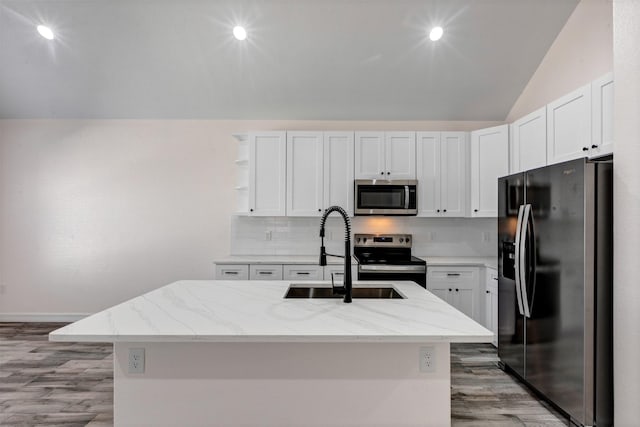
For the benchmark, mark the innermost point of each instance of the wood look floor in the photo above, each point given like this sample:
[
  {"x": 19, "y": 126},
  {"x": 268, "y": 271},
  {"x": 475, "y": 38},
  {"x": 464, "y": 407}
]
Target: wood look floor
[{"x": 71, "y": 384}]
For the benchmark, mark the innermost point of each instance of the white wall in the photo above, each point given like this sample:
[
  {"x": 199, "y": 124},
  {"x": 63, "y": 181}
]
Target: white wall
[
  {"x": 626, "y": 182},
  {"x": 582, "y": 52},
  {"x": 95, "y": 212}
]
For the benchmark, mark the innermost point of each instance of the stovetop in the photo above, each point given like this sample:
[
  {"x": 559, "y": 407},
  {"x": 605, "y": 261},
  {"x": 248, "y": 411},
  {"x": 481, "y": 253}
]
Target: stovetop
[{"x": 388, "y": 249}]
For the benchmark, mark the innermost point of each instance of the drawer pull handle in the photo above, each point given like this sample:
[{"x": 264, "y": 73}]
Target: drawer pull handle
[
  {"x": 303, "y": 273},
  {"x": 231, "y": 272},
  {"x": 453, "y": 274},
  {"x": 265, "y": 272}
]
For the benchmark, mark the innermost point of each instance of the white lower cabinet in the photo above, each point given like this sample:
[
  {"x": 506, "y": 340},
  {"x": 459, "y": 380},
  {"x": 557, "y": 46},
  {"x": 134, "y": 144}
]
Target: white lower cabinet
[
  {"x": 458, "y": 286},
  {"x": 491, "y": 303},
  {"x": 265, "y": 272},
  {"x": 338, "y": 272},
  {"x": 232, "y": 271},
  {"x": 302, "y": 272}
]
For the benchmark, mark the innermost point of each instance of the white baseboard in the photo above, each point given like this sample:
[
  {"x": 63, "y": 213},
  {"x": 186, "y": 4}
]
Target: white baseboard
[{"x": 42, "y": 317}]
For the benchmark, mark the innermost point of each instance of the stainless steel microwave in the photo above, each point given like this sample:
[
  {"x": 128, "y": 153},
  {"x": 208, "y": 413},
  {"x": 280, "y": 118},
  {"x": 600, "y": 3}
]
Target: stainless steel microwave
[{"x": 384, "y": 197}]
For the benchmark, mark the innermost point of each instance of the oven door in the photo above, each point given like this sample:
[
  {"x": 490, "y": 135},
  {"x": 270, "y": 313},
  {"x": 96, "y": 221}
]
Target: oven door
[
  {"x": 415, "y": 273},
  {"x": 381, "y": 197}
]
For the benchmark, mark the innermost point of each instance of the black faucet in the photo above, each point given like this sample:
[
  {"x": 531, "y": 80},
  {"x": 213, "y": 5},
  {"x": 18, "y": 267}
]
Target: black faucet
[{"x": 347, "y": 286}]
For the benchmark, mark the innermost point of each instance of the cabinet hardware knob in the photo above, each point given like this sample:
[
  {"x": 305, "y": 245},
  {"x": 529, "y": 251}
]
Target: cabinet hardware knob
[
  {"x": 594, "y": 146},
  {"x": 495, "y": 278},
  {"x": 251, "y": 210},
  {"x": 475, "y": 210},
  {"x": 449, "y": 289},
  {"x": 388, "y": 173},
  {"x": 487, "y": 292},
  {"x": 437, "y": 210},
  {"x": 319, "y": 210},
  {"x": 381, "y": 173},
  {"x": 585, "y": 148},
  {"x": 444, "y": 210},
  {"x": 457, "y": 289}
]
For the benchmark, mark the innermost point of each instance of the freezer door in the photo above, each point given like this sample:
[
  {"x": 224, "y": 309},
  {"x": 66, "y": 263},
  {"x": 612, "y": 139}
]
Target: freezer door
[
  {"x": 510, "y": 318},
  {"x": 555, "y": 286}
]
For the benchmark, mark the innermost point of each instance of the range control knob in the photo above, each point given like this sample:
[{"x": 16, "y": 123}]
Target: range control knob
[
  {"x": 407, "y": 240},
  {"x": 401, "y": 240},
  {"x": 358, "y": 239},
  {"x": 364, "y": 239}
]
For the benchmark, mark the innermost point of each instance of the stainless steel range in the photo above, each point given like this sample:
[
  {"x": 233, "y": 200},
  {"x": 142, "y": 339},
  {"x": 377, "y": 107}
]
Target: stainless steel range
[{"x": 388, "y": 257}]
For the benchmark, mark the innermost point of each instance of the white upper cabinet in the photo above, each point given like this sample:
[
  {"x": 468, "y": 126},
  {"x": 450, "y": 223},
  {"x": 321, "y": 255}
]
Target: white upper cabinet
[
  {"x": 305, "y": 173},
  {"x": 400, "y": 155},
  {"x": 338, "y": 170},
  {"x": 489, "y": 161},
  {"x": 529, "y": 141},
  {"x": 441, "y": 172},
  {"x": 602, "y": 116},
  {"x": 388, "y": 155},
  {"x": 569, "y": 126},
  {"x": 267, "y": 173}
]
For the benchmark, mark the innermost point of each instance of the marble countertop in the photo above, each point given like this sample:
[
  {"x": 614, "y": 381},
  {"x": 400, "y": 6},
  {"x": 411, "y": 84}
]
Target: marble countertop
[
  {"x": 279, "y": 259},
  {"x": 491, "y": 262},
  {"x": 255, "y": 311}
]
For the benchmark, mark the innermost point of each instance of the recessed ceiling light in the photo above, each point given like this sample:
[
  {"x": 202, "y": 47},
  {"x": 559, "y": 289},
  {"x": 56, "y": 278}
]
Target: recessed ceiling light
[
  {"x": 239, "y": 32},
  {"x": 436, "y": 33},
  {"x": 45, "y": 32}
]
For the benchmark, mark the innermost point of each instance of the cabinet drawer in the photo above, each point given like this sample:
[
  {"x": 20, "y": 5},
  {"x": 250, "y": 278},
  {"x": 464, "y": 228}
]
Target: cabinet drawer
[
  {"x": 232, "y": 272},
  {"x": 457, "y": 275},
  {"x": 265, "y": 272},
  {"x": 302, "y": 272},
  {"x": 338, "y": 272}
]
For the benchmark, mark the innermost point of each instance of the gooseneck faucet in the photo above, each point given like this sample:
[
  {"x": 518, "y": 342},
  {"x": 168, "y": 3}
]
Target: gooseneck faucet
[{"x": 347, "y": 286}]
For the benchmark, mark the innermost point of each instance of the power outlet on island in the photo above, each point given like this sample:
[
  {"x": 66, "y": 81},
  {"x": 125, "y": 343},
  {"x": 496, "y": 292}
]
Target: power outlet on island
[
  {"x": 136, "y": 360},
  {"x": 427, "y": 360}
]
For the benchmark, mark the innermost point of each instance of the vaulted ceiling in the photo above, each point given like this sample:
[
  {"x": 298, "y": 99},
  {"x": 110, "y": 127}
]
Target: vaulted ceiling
[{"x": 302, "y": 59}]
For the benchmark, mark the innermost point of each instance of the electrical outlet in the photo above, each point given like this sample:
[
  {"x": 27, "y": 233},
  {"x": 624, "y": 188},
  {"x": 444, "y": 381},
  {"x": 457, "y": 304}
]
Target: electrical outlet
[
  {"x": 136, "y": 360},
  {"x": 427, "y": 360}
]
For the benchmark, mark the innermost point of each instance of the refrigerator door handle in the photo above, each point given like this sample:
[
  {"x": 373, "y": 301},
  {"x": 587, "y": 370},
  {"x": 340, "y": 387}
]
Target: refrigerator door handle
[
  {"x": 517, "y": 259},
  {"x": 523, "y": 267}
]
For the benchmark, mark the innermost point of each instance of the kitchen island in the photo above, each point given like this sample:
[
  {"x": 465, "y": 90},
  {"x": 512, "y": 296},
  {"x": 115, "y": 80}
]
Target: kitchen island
[{"x": 237, "y": 353}]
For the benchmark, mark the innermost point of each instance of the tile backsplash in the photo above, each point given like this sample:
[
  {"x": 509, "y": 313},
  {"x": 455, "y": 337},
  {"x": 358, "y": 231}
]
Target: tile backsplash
[{"x": 299, "y": 236}]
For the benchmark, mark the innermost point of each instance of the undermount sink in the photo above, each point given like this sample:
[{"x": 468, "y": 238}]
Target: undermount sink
[{"x": 300, "y": 290}]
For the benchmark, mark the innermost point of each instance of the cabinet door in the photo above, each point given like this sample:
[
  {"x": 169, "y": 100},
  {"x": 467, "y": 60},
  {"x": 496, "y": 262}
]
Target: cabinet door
[
  {"x": 569, "y": 126},
  {"x": 267, "y": 173},
  {"x": 489, "y": 161},
  {"x": 265, "y": 272},
  {"x": 442, "y": 292},
  {"x": 453, "y": 173},
  {"x": 369, "y": 153},
  {"x": 305, "y": 153},
  {"x": 464, "y": 299},
  {"x": 338, "y": 170},
  {"x": 400, "y": 155},
  {"x": 428, "y": 173},
  {"x": 602, "y": 118},
  {"x": 529, "y": 141}
]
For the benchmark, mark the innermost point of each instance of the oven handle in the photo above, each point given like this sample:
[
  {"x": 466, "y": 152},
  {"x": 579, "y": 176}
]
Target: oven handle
[
  {"x": 393, "y": 268},
  {"x": 406, "y": 197}
]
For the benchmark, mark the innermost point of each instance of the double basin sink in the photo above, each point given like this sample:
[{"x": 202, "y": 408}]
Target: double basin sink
[{"x": 319, "y": 290}]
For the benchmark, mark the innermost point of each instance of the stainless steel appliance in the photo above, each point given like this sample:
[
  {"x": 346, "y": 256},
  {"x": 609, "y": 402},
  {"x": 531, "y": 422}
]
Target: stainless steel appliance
[
  {"x": 383, "y": 197},
  {"x": 555, "y": 257},
  {"x": 388, "y": 257}
]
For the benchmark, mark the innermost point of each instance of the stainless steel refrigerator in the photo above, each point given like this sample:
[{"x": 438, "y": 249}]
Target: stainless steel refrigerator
[{"x": 555, "y": 256}]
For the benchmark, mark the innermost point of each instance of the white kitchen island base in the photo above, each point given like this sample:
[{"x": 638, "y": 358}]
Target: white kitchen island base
[
  {"x": 237, "y": 353},
  {"x": 282, "y": 384}
]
